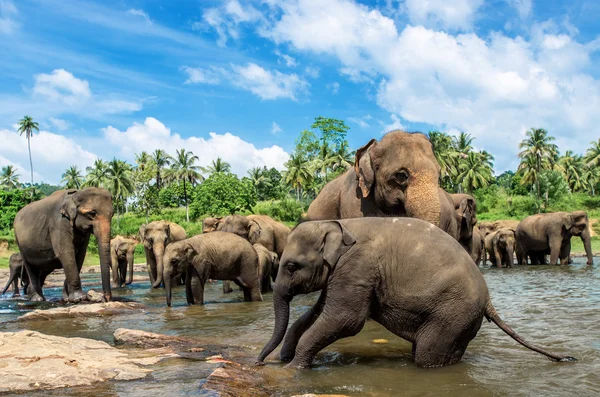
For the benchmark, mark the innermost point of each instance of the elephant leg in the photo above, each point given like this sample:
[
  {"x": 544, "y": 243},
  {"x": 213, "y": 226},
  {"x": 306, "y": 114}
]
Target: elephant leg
[
  {"x": 34, "y": 283},
  {"x": 438, "y": 346},
  {"x": 295, "y": 332},
  {"x": 555, "y": 248},
  {"x": 498, "y": 258},
  {"x": 151, "y": 266},
  {"x": 265, "y": 285},
  {"x": 227, "y": 287},
  {"x": 194, "y": 287},
  {"x": 565, "y": 253}
]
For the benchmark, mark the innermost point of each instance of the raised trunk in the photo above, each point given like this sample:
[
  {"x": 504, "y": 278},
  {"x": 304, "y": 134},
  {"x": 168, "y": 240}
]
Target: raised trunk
[
  {"x": 168, "y": 289},
  {"x": 158, "y": 255},
  {"x": 587, "y": 244},
  {"x": 129, "y": 268},
  {"x": 102, "y": 234},
  {"x": 281, "y": 303}
]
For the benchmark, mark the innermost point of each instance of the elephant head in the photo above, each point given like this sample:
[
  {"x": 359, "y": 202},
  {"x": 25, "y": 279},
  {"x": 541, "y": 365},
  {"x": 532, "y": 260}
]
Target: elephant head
[
  {"x": 401, "y": 174},
  {"x": 122, "y": 249},
  {"x": 505, "y": 242},
  {"x": 177, "y": 259},
  {"x": 242, "y": 226},
  {"x": 467, "y": 218},
  {"x": 310, "y": 256},
  {"x": 577, "y": 224},
  {"x": 90, "y": 211},
  {"x": 274, "y": 266},
  {"x": 210, "y": 224},
  {"x": 155, "y": 237}
]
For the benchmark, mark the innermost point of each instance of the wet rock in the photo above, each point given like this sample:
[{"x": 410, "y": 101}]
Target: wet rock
[
  {"x": 235, "y": 380},
  {"x": 95, "y": 297},
  {"x": 33, "y": 361},
  {"x": 135, "y": 337},
  {"x": 83, "y": 310}
]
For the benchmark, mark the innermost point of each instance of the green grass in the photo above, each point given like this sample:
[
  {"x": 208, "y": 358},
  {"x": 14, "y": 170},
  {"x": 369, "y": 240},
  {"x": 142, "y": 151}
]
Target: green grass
[{"x": 577, "y": 245}]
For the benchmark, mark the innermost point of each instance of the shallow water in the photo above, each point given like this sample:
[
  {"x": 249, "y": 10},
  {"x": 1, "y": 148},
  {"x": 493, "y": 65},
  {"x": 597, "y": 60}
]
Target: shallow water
[{"x": 553, "y": 306}]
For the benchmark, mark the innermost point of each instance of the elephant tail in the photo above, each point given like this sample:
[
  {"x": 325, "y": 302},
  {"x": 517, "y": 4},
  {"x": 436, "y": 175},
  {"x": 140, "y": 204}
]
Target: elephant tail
[{"x": 492, "y": 315}]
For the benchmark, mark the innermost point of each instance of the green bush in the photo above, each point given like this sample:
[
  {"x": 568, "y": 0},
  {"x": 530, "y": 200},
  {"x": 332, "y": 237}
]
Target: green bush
[
  {"x": 222, "y": 194},
  {"x": 285, "y": 210}
]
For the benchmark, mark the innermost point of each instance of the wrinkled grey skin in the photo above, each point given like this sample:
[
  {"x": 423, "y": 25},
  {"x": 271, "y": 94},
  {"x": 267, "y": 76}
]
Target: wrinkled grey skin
[
  {"x": 17, "y": 271},
  {"x": 54, "y": 233},
  {"x": 466, "y": 219},
  {"x": 551, "y": 233},
  {"x": 121, "y": 260},
  {"x": 267, "y": 263},
  {"x": 435, "y": 299},
  {"x": 488, "y": 227},
  {"x": 156, "y": 236},
  {"x": 210, "y": 224},
  {"x": 216, "y": 256},
  {"x": 503, "y": 247}
]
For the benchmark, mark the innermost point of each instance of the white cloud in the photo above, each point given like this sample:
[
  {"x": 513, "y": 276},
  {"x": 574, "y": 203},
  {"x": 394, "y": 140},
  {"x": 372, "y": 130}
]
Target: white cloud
[
  {"x": 396, "y": 124},
  {"x": 266, "y": 84},
  {"x": 7, "y": 12},
  {"x": 153, "y": 134},
  {"x": 523, "y": 7},
  {"x": 62, "y": 86},
  {"x": 333, "y": 87},
  {"x": 140, "y": 13},
  {"x": 312, "y": 71},
  {"x": 276, "y": 129},
  {"x": 227, "y": 19},
  {"x": 448, "y": 14},
  {"x": 59, "y": 124},
  {"x": 361, "y": 121},
  {"x": 288, "y": 60}
]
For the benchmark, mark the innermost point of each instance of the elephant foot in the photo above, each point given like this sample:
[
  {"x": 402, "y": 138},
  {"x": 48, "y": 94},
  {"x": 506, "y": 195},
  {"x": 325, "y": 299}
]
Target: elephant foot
[
  {"x": 286, "y": 357},
  {"x": 16, "y": 295},
  {"x": 297, "y": 365},
  {"x": 590, "y": 263},
  {"x": 76, "y": 296},
  {"x": 35, "y": 297}
]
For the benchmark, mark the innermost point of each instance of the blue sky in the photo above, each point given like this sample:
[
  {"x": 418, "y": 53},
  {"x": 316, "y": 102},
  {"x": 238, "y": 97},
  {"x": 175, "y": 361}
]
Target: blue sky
[{"x": 240, "y": 79}]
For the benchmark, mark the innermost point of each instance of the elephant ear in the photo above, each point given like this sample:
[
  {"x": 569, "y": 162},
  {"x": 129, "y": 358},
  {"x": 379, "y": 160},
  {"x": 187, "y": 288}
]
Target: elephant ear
[
  {"x": 254, "y": 231},
  {"x": 336, "y": 242},
  {"x": 467, "y": 217},
  {"x": 168, "y": 230},
  {"x": 189, "y": 251},
  {"x": 363, "y": 167},
  {"x": 68, "y": 208},
  {"x": 568, "y": 221}
]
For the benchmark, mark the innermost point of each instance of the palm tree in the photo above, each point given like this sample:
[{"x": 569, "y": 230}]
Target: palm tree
[
  {"x": 462, "y": 143},
  {"x": 217, "y": 165},
  {"x": 97, "y": 174},
  {"x": 571, "y": 167},
  {"x": 72, "y": 178},
  {"x": 258, "y": 178},
  {"x": 9, "y": 179},
  {"x": 160, "y": 160},
  {"x": 444, "y": 153},
  {"x": 183, "y": 169},
  {"x": 298, "y": 173},
  {"x": 119, "y": 182},
  {"x": 142, "y": 160},
  {"x": 475, "y": 171},
  {"x": 325, "y": 160},
  {"x": 539, "y": 147},
  {"x": 591, "y": 178},
  {"x": 343, "y": 157},
  {"x": 27, "y": 126},
  {"x": 592, "y": 156}
]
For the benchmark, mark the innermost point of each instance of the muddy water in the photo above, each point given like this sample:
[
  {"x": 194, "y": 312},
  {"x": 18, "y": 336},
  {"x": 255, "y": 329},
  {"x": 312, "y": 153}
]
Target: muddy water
[{"x": 557, "y": 307}]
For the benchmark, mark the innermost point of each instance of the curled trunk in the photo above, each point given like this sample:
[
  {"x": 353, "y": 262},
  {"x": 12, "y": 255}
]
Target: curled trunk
[
  {"x": 281, "y": 303},
  {"x": 102, "y": 234}
]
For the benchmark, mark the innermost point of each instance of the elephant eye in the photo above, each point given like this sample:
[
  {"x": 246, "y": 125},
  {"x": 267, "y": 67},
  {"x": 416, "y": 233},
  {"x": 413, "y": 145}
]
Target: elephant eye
[
  {"x": 149, "y": 241},
  {"x": 92, "y": 214},
  {"x": 291, "y": 267},
  {"x": 401, "y": 177}
]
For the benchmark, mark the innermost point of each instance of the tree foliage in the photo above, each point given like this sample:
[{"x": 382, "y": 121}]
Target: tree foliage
[{"x": 222, "y": 194}]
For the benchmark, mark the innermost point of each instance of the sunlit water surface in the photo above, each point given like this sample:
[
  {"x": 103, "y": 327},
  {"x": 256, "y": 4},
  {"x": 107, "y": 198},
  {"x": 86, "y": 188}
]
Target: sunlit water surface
[{"x": 553, "y": 306}]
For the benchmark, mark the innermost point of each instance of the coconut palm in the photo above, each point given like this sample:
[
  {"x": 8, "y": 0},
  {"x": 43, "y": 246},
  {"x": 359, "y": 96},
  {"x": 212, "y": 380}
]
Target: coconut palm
[
  {"x": 462, "y": 143},
  {"x": 72, "y": 178},
  {"x": 119, "y": 182},
  {"x": 474, "y": 172},
  {"x": 9, "y": 179},
  {"x": 217, "y": 165},
  {"x": 142, "y": 161},
  {"x": 571, "y": 166},
  {"x": 298, "y": 173},
  {"x": 27, "y": 126},
  {"x": 160, "y": 160},
  {"x": 539, "y": 147},
  {"x": 591, "y": 178},
  {"x": 184, "y": 169},
  {"x": 444, "y": 152},
  {"x": 97, "y": 174},
  {"x": 343, "y": 157},
  {"x": 324, "y": 161},
  {"x": 592, "y": 156},
  {"x": 257, "y": 176}
]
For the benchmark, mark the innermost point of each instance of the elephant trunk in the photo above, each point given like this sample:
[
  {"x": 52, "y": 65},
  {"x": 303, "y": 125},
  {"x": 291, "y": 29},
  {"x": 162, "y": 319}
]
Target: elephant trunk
[
  {"x": 129, "y": 267},
  {"x": 102, "y": 234},
  {"x": 587, "y": 244},
  {"x": 511, "y": 253},
  {"x": 168, "y": 289},
  {"x": 281, "y": 303},
  {"x": 422, "y": 199},
  {"x": 158, "y": 254}
]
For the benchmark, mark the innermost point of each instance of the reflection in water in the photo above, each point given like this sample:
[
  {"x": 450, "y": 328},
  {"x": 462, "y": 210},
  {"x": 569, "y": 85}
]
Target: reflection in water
[{"x": 556, "y": 307}]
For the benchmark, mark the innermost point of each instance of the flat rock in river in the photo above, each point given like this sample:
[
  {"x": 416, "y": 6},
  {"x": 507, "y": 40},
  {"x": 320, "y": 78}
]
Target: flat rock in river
[
  {"x": 31, "y": 360},
  {"x": 83, "y": 310}
]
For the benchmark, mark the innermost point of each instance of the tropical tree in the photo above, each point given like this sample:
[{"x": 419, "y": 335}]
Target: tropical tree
[
  {"x": 298, "y": 174},
  {"x": 72, "y": 178},
  {"x": 324, "y": 161},
  {"x": 119, "y": 182},
  {"x": 539, "y": 149},
  {"x": 9, "y": 179},
  {"x": 184, "y": 169},
  {"x": 343, "y": 157},
  {"x": 444, "y": 153},
  {"x": 143, "y": 161},
  {"x": 571, "y": 166},
  {"x": 27, "y": 126},
  {"x": 474, "y": 172},
  {"x": 462, "y": 143},
  {"x": 160, "y": 160},
  {"x": 97, "y": 174},
  {"x": 217, "y": 165},
  {"x": 258, "y": 177},
  {"x": 592, "y": 156}
]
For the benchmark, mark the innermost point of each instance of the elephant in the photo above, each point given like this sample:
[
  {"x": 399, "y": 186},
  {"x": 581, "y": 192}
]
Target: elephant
[
  {"x": 466, "y": 219},
  {"x": 542, "y": 233},
  {"x": 397, "y": 176},
  {"x": 434, "y": 298},
  {"x": 478, "y": 246},
  {"x": 17, "y": 271},
  {"x": 488, "y": 227},
  {"x": 121, "y": 260},
  {"x": 156, "y": 236},
  {"x": 267, "y": 263},
  {"x": 54, "y": 233},
  {"x": 503, "y": 247},
  {"x": 210, "y": 224},
  {"x": 217, "y": 256}
]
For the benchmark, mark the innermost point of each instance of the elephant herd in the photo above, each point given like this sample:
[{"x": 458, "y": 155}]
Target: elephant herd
[{"x": 382, "y": 241}]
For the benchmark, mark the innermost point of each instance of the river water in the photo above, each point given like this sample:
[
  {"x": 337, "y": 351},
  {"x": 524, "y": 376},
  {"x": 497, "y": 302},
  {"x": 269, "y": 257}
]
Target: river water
[{"x": 557, "y": 307}]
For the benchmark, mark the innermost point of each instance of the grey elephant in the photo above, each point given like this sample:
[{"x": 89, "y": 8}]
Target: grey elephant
[
  {"x": 17, "y": 272},
  {"x": 268, "y": 264},
  {"x": 488, "y": 227},
  {"x": 121, "y": 260},
  {"x": 434, "y": 298},
  {"x": 210, "y": 224},
  {"x": 478, "y": 246},
  {"x": 216, "y": 256},
  {"x": 397, "y": 176},
  {"x": 54, "y": 233},
  {"x": 156, "y": 236},
  {"x": 503, "y": 246},
  {"x": 465, "y": 207},
  {"x": 551, "y": 233}
]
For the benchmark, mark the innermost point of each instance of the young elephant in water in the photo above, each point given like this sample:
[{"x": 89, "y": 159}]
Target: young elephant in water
[
  {"x": 216, "y": 256},
  {"x": 17, "y": 271},
  {"x": 410, "y": 277},
  {"x": 267, "y": 263}
]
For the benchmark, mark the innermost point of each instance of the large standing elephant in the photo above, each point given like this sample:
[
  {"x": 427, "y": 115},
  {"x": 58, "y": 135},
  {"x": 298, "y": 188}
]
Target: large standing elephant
[
  {"x": 397, "y": 176},
  {"x": 216, "y": 256},
  {"x": 54, "y": 233},
  {"x": 121, "y": 260},
  {"x": 156, "y": 236},
  {"x": 17, "y": 272},
  {"x": 434, "y": 298},
  {"x": 551, "y": 233}
]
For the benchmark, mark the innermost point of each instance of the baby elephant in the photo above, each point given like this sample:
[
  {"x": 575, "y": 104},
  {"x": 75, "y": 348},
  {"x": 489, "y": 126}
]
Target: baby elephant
[
  {"x": 17, "y": 271},
  {"x": 216, "y": 256},
  {"x": 267, "y": 262},
  {"x": 434, "y": 298},
  {"x": 121, "y": 260}
]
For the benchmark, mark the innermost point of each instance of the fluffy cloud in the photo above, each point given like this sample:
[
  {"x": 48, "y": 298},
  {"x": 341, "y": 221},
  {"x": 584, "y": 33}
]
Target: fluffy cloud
[
  {"x": 276, "y": 129},
  {"x": 523, "y": 7},
  {"x": 266, "y": 84},
  {"x": 284, "y": 58},
  {"x": 448, "y": 14},
  {"x": 7, "y": 13},
  {"x": 153, "y": 134},
  {"x": 62, "y": 86},
  {"x": 140, "y": 13},
  {"x": 226, "y": 20},
  {"x": 59, "y": 123}
]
